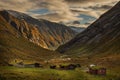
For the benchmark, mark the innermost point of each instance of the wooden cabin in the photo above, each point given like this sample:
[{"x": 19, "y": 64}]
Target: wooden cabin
[
  {"x": 53, "y": 67},
  {"x": 71, "y": 67},
  {"x": 93, "y": 71},
  {"x": 67, "y": 67},
  {"x": 99, "y": 71},
  {"x": 102, "y": 71},
  {"x": 37, "y": 65}
]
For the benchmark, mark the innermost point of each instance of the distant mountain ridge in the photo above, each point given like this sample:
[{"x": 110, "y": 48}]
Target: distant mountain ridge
[
  {"x": 44, "y": 33},
  {"x": 77, "y": 29},
  {"x": 101, "y": 37}
]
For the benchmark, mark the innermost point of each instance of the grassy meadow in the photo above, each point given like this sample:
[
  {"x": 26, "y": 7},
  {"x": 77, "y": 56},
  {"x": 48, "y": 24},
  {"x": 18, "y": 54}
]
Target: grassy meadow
[{"x": 15, "y": 73}]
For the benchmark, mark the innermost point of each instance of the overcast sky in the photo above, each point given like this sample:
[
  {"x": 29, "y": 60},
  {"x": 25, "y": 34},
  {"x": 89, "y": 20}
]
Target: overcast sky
[{"x": 61, "y": 10}]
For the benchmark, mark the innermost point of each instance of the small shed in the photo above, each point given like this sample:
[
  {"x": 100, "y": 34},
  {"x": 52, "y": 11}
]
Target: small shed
[{"x": 35, "y": 65}]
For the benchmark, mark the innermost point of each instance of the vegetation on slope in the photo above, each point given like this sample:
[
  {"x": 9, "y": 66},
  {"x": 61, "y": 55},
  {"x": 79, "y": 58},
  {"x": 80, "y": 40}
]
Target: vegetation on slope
[{"x": 14, "y": 46}]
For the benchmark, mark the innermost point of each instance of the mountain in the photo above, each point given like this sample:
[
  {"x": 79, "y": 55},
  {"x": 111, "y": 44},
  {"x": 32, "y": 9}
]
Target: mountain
[
  {"x": 13, "y": 44},
  {"x": 44, "y": 33},
  {"x": 100, "y": 38}
]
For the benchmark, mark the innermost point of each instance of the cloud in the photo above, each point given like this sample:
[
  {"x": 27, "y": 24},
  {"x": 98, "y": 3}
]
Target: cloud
[
  {"x": 63, "y": 10},
  {"x": 59, "y": 10},
  {"x": 89, "y": 2},
  {"x": 18, "y": 5},
  {"x": 91, "y": 7}
]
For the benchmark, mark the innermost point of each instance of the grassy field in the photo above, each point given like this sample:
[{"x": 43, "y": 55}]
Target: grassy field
[{"x": 14, "y": 73}]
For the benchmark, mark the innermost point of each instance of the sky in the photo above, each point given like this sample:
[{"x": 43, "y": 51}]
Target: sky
[{"x": 61, "y": 11}]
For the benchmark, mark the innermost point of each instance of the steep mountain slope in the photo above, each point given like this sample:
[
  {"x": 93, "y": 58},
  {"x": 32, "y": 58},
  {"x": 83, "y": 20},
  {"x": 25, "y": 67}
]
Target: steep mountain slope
[
  {"x": 102, "y": 37},
  {"x": 13, "y": 44},
  {"x": 46, "y": 34}
]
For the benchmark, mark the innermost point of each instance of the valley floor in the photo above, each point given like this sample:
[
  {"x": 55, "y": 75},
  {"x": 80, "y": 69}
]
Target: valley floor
[{"x": 14, "y": 73}]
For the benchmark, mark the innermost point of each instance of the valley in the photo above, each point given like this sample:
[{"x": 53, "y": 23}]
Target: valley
[{"x": 38, "y": 49}]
